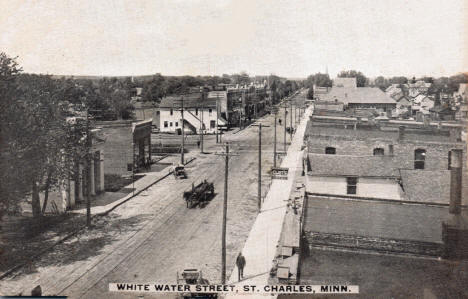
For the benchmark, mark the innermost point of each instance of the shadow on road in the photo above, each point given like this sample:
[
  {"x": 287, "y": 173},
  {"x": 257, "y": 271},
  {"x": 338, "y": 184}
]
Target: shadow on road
[{"x": 86, "y": 244}]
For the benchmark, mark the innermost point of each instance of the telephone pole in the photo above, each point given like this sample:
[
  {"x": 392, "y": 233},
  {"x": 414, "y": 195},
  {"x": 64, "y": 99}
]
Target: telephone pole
[
  {"x": 201, "y": 126},
  {"x": 217, "y": 141},
  {"x": 275, "y": 111},
  {"x": 226, "y": 155},
  {"x": 183, "y": 133},
  {"x": 259, "y": 164},
  {"x": 88, "y": 173},
  {"x": 284, "y": 105},
  {"x": 291, "y": 122}
]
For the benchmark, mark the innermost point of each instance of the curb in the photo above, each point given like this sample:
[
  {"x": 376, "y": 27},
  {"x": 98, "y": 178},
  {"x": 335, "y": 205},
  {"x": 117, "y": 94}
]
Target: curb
[{"x": 73, "y": 233}]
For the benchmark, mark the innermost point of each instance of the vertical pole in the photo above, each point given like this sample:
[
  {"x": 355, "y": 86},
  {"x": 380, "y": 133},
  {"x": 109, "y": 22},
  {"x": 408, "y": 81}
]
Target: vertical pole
[
  {"x": 133, "y": 166},
  {"x": 223, "y": 249},
  {"x": 259, "y": 166},
  {"x": 217, "y": 141},
  {"x": 285, "y": 122},
  {"x": 183, "y": 141},
  {"x": 291, "y": 122},
  {"x": 88, "y": 166},
  {"x": 274, "y": 145},
  {"x": 202, "y": 124}
]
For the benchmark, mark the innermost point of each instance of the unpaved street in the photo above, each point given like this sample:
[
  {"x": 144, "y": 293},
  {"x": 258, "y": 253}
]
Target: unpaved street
[{"x": 154, "y": 235}]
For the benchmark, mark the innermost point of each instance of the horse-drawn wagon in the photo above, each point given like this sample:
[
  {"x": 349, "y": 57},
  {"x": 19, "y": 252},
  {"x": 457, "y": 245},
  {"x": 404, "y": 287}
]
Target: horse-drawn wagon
[{"x": 199, "y": 193}]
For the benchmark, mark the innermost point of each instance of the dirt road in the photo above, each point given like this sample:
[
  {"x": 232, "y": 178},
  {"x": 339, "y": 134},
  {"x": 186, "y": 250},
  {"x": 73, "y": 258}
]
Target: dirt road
[{"x": 154, "y": 235}]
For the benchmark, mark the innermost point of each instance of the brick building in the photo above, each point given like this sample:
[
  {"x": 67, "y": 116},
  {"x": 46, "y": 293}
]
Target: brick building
[
  {"x": 127, "y": 143},
  {"x": 415, "y": 156}
]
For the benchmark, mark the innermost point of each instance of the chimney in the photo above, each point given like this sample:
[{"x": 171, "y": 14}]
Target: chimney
[
  {"x": 456, "y": 161},
  {"x": 401, "y": 133}
]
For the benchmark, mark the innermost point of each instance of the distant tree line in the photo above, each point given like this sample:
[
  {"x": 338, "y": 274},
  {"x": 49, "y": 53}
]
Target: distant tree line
[{"x": 39, "y": 144}]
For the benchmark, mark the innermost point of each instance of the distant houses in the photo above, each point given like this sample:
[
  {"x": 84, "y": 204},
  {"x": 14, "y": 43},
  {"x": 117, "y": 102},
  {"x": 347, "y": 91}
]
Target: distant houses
[{"x": 345, "y": 91}]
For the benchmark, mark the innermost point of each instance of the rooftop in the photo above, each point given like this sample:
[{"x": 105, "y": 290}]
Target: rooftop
[
  {"x": 192, "y": 100},
  {"x": 361, "y": 166},
  {"x": 426, "y": 185},
  {"x": 360, "y": 95}
]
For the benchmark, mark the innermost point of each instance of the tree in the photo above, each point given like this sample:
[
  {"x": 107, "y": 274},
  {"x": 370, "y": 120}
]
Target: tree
[
  {"x": 319, "y": 79},
  {"x": 361, "y": 80},
  {"x": 381, "y": 83},
  {"x": 12, "y": 187},
  {"x": 36, "y": 140}
]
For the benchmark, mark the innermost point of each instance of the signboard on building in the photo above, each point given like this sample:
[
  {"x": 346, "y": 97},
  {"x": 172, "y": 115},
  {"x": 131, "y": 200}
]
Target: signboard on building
[{"x": 279, "y": 173}]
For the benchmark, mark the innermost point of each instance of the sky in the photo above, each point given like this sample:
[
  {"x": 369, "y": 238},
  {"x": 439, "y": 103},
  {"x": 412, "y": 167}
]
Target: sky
[{"x": 193, "y": 37}]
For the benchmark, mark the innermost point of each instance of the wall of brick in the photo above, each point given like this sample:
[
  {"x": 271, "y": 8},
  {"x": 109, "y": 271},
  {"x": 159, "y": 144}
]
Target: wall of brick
[{"x": 403, "y": 151}]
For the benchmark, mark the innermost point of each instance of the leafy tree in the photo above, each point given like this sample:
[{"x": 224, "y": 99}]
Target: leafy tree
[
  {"x": 319, "y": 79},
  {"x": 381, "y": 83},
  {"x": 361, "y": 80}
]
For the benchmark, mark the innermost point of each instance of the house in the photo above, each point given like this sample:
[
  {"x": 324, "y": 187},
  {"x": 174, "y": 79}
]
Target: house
[
  {"x": 199, "y": 113},
  {"x": 361, "y": 98},
  {"x": 419, "y": 87},
  {"x": 422, "y": 104}
]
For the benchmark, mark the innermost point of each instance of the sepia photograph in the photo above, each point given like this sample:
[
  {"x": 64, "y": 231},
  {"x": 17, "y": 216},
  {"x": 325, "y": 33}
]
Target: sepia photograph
[{"x": 233, "y": 149}]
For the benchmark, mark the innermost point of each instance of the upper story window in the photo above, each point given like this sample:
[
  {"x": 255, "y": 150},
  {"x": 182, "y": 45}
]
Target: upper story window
[
  {"x": 210, "y": 111},
  {"x": 330, "y": 150},
  {"x": 351, "y": 185},
  {"x": 379, "y": 151},
  {"x": 172, "y": 111},
  {"x": 419, "y": 158},
  {"x": 196, "y": 111}
]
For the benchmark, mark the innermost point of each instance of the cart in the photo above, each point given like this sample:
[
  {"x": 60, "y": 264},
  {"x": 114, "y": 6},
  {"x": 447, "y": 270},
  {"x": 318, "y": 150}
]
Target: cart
[
  {"x": 179, "y": 171},
  {"x": 201, "y": 193},
  {"x": 194, "y": 276}
]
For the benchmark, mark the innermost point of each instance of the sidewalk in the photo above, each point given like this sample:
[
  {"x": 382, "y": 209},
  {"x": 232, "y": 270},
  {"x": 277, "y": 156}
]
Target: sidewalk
[
  {"x": 21, "y": 246},
  {"x": 260, "y": 247}
]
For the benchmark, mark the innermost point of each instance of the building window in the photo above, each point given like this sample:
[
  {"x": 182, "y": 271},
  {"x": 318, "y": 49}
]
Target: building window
[
  {"x": 330, "y": 151},
  {"x": 379, "y": 151},
  {"x": 419, "y": 158},
  {"x": 212, "y": 124},
  {"x": 210, "y": 110},
  {"x": 165, "y": 124},
  {"x": 170, "y": 124},
  {"x": 351, "y": 185},
  {"x": 176, "y": 124},
  {"x": 196, "y": 111},
  {"x": 172, "y": 112}
]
